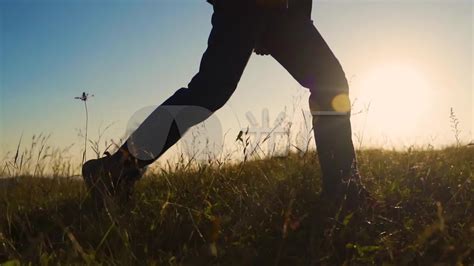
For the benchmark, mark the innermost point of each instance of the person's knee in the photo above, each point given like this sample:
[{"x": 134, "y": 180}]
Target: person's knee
[
  {"x": 210, "y": 99},
  {"x": 330, "y": 103},
  {"x": 215, "y": 101},
  {"x": 211, "y": 94},
  {"x": 330, "y": 98},
  {"x": 329, "y": 93}
]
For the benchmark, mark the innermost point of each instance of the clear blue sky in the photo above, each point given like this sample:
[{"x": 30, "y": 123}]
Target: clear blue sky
[{"x": 136, "y": 53}]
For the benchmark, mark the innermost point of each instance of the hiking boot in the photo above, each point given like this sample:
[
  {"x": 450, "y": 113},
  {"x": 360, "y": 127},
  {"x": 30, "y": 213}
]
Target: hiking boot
[
  {"x": 355, "y": 194},
  {"x": 110, "y": 177},
  {"x": 350, "y": 193}
]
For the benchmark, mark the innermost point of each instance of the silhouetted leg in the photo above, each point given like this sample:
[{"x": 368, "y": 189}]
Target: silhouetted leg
[
  {"x": 229, "y": 48},
  {"x": 297, "y": 45}
]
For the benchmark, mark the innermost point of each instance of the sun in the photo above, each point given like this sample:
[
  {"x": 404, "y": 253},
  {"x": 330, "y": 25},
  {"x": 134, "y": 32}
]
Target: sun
[{"x": 399, "y": 96}]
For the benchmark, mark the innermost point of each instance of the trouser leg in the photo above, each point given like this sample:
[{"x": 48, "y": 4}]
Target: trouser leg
[
  {"x": 297, "y": 45},
  {"x": 230, "y": 45}
]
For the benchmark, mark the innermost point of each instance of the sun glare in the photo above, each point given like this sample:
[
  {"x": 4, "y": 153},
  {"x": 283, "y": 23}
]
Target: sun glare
[{"x": 399, "y": 95}]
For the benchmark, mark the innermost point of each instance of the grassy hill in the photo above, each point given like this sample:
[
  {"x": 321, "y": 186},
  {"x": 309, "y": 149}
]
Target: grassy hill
[{"x": 264, "y": 212}]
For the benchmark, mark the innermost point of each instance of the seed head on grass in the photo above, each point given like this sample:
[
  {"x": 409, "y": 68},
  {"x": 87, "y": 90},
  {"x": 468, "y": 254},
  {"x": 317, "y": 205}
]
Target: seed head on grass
[
  {"x": 84, "y": 97},
  {"x": 455, "y": 127}
]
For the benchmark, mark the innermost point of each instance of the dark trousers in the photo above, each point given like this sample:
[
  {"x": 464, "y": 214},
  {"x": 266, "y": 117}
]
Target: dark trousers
[{"x": 290, "y": 37}]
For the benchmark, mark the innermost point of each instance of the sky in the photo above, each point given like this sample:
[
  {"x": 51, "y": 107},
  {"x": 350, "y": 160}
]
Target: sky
[{"x": 408, "y": 64}]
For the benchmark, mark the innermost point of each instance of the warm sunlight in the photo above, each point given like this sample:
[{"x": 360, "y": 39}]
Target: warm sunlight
[
  {"x": 238, "y": 132},
  {"x": 398, "y": 95}
]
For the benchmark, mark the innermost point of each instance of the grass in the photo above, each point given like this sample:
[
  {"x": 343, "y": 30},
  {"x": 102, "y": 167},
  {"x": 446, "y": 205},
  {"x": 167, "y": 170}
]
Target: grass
[{"x": 262, "y": 212}]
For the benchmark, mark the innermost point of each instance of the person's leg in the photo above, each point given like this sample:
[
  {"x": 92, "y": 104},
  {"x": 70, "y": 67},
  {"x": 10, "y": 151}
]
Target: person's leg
[
  {"x": 297, "y": 45},
  {"x": 229, "y": 48}
]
